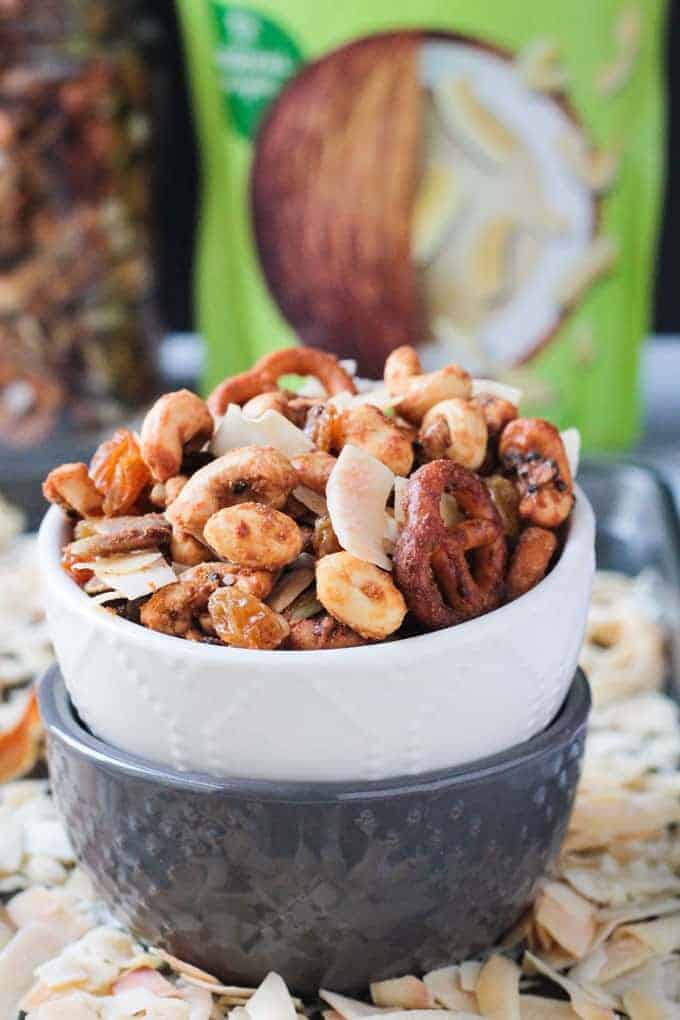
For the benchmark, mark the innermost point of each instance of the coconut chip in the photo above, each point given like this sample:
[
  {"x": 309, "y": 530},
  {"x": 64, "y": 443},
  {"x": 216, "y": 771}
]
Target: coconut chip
[
  {"x": 289, "y": 587},
  {"x": 357, "y": 493},
  {"x": 269, "y": 429},
  {"x": 407, "y": 992}
]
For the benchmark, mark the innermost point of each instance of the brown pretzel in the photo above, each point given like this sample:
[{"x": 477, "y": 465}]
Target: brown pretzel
[
  {"x": 265, "y": 374},
  {"x": 449, "y": 574},
  {"x": 533, "y": 450},
  {"x": 530, "y": 561}
]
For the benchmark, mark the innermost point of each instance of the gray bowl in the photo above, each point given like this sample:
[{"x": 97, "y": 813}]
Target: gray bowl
[{"x": 328, "y": 884}]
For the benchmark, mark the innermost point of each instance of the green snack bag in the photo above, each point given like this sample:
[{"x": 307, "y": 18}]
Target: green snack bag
[{"x": 480, "y": 180}]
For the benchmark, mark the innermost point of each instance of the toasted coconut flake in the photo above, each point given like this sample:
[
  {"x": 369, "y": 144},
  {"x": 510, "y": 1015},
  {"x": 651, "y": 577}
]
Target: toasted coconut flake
[
  {"x": 535, "y": 1007},
  {"x": 445, "y": 988},
  {"x": 601, "y": 818},
  {"x": 580, "y": 997},
  {"x": 438, "y": 200},
  {"x": 76, "y": 1006},
  {"x": 357, "y": 493},
  {"x": 139, "y": 582},
  {"x": 271, "y": 1001},
  {"x": 289, "y": 587},
  {"x": 615, "y": 75},
  {"x": 146, "y": 978},
  {"x": 497, "y": 989},
  {"x": 661, "y": 936},
  {"x": 270, "y": 429},
  {"x": 349, "y": 1008},
  {"x": 124, "y": 563},
  {"x": 568, "y": 917},
  {"x": 312, "y": 500},
  {"x": 200, "y": 1001},
  {"x": 187, "y": 970},
  {"x": 469, "y": 975},
  {"x": 11, "y": 846},
  {"x": 644, "y": 1004},
  {"x": 48, "y": 836},
  {"x": 407, "y": 992},
  {"x": 32, "y": 946},
  {"x": 473, "y": 123},
  {"x": 595, "y": 262}
]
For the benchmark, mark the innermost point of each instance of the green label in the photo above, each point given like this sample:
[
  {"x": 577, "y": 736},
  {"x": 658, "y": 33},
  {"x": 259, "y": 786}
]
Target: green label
[{"x": 254, "y": 58}]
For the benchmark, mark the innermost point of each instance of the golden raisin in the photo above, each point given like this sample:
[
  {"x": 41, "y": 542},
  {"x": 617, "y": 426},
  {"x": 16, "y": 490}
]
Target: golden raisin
[
  {"x": 324, "y": 539},
  {"x": 243, "y": 621},
  {"x": 119, "y": 472},
  {"x": 505, "y": 498}
]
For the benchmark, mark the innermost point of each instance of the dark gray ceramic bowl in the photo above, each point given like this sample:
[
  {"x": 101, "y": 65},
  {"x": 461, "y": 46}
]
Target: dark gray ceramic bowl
[{"x": 329, "y": 884}]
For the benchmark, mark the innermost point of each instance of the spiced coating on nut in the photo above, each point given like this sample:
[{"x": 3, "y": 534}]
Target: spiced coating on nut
[
  {"x": 359, "y": 595},
  {"x": 177, "y": 422},
  {"x": 225, "y": 575},
  {"x": 532, "y": 450},
  {"x": 371, "y": 430},
  {"x": 322, "y": 632},
  {"x": 314, "y": 469},
  {"x": 256, "y": 474},
  {"x": 449, "y": 574},
  {"x": 530, "y": 561},
  {"x": 254, "y": 535},
  {"x": 71, "y": 488}
]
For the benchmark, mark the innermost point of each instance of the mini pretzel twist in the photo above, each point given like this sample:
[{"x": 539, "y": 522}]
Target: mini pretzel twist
[
  {"x": 449, "y": 574},
  {"x": 265, "y": 374}
]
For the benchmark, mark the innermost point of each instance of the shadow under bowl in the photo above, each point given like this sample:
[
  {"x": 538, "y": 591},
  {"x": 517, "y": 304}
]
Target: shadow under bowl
[{"x": 330, "y": 884}]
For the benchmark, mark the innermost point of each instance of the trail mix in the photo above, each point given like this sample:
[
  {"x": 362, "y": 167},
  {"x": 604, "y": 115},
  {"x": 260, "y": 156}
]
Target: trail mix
[
  {"x": 321, "y": 518},
  {"x": 601, "y": 940},
  {"x": 74, "y": 230}
]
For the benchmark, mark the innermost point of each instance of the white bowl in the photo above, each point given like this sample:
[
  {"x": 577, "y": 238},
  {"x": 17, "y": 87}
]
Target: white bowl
[{"x": 378, "y": 711}]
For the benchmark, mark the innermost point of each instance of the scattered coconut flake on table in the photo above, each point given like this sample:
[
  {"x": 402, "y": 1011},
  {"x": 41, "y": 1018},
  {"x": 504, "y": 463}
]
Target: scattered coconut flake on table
[{"x": 270, "y": 429}]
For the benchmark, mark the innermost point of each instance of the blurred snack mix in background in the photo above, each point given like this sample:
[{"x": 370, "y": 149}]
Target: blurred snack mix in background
[
  {"x": 482, "y": 181},
  {"x": 75, "y": 274}
]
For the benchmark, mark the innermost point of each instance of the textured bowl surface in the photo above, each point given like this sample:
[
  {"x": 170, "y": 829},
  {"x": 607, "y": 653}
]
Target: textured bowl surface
[
  {"x": 329, "y": 884},
  {"x": 398, "y": 708}
]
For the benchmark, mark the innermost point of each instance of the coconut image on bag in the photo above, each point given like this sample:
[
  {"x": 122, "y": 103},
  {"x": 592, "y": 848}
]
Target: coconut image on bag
[
  {"x": 423, "y": 182},
  {"x": 459, "y": 182}
]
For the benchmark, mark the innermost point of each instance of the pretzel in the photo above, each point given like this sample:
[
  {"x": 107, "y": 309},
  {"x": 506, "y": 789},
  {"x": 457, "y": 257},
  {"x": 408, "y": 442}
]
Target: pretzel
[
  {"x": 449, "y": 574},
  {"x": 265, "y": 374}
]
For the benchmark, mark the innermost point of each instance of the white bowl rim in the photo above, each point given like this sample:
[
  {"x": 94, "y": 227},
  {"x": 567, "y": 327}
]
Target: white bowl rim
[{"x": 581, "y": 529}]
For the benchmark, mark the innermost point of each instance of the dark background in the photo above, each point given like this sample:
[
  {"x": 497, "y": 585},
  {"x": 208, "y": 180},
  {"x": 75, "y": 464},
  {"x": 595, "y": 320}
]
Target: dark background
[{"x": 177, "y": 184}]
